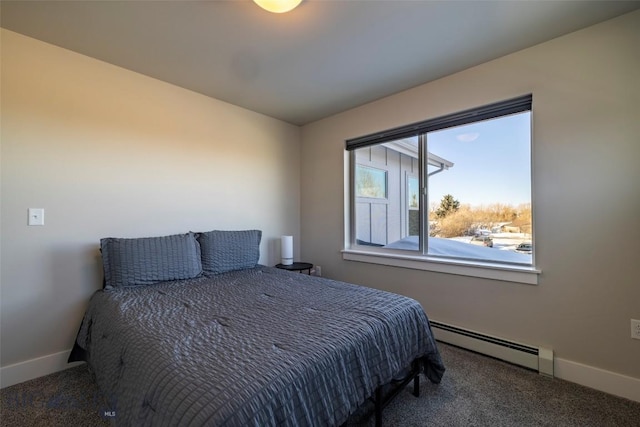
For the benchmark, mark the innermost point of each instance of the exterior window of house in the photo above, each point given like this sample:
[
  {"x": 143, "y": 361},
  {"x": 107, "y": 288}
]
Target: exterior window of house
[
  {"x": 454, "y": 188},
  {"x": 371, "y": 182}
]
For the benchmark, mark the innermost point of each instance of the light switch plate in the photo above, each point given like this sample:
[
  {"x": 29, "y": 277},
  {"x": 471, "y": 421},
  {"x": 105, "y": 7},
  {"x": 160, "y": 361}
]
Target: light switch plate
[{"x": 36, "y": 216}]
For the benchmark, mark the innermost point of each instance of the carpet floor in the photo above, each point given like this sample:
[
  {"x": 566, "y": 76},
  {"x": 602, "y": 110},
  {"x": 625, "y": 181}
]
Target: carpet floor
[{"x": 475, "y": 391}]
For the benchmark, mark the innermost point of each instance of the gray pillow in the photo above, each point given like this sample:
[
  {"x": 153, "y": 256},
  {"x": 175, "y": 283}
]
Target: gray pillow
[
  {"x": 148, "y": 260},
  {"x": 224, "y": 251}
]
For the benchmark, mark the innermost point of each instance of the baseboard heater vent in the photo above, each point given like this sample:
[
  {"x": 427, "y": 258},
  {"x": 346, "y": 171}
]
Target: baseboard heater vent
[{"x": 536, "y": 358}]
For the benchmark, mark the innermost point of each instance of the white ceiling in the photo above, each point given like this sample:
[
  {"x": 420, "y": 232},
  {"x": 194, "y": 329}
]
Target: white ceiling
[{"x": 320, "y": 59}]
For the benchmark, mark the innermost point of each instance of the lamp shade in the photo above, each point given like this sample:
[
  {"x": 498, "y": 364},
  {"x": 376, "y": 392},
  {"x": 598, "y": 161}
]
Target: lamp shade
[
  {"x": 286, "y": 247},
  {"x": 278, "y": 6}
]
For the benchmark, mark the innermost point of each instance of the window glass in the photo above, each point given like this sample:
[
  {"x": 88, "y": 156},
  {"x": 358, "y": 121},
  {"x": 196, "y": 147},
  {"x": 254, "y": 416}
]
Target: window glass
[
  {"x": 480, "y": 208},
  {"x": 384, "y": 217},
  {"x": 371, "y": 182},
  {"x": 460, "y": 192}
]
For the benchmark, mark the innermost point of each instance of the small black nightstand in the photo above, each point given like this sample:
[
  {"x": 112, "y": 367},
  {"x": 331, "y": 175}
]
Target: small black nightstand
[{"x": 297, "y": 266}]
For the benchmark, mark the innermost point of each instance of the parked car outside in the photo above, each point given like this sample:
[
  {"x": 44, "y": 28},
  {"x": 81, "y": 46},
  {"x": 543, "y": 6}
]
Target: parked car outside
[
  {"x": 482, "y": 240},
  {"x": 525, "y": 248}
]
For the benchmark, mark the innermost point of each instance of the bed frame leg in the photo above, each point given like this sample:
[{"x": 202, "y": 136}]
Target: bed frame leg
[{"x": 380, "y": 400}]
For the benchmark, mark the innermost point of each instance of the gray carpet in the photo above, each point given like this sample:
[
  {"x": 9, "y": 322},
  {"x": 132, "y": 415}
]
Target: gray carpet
[{"x": 475, "y": 391}]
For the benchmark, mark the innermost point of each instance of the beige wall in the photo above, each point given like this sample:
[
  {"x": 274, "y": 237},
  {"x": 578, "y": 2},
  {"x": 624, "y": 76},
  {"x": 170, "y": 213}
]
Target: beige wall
[
  {"x": 586, "y": 157},
  {"x": 108, "y": 152}
]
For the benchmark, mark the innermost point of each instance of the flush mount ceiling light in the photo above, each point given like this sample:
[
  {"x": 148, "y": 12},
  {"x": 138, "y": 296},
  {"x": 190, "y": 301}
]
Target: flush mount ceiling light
[{"x": 277, "y": 6}]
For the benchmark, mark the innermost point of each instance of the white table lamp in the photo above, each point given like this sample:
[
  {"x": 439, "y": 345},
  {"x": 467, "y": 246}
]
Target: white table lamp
[{"x": 287, "y": 250}]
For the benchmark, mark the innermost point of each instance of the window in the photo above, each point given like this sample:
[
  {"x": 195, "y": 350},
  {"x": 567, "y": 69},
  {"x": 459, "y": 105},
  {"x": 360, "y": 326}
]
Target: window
[
  {"x": 371, "y": 182},
  {"x": 451, "y": 189}
]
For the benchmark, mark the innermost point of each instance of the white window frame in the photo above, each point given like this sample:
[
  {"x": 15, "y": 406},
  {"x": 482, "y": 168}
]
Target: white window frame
[{"x": 527, "y": 274}]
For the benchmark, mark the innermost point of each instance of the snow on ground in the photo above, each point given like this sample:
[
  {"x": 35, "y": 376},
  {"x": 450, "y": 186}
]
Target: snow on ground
[
  {"x": 503, "y": 248},
  {"x": 499, "y": 252}
]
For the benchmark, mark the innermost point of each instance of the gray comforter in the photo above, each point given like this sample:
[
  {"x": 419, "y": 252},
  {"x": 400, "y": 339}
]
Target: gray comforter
[{"x": 258, "y": 347}]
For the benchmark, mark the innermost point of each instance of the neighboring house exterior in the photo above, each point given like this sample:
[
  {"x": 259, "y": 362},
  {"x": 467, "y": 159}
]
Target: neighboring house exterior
[{"x": 387, "y": 191}]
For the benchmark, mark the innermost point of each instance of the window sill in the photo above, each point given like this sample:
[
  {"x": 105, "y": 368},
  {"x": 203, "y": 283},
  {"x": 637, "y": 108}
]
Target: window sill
[{"x": 509, "y": 273}]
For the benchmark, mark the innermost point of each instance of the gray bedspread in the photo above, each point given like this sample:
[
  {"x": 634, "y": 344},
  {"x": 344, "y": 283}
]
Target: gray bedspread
[{"x": 257, "y": 347}]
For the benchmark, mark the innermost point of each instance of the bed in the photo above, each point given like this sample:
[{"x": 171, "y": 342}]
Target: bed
[{"x": 228, "y": 342}]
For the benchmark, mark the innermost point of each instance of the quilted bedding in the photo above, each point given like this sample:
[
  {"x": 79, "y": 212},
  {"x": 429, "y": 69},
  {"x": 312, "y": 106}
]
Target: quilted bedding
[{"x": 256, "y": 347}]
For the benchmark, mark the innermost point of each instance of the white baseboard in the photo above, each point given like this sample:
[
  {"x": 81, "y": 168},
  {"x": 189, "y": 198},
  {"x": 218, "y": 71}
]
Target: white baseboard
[
  {"x": 34, "y": 368},
  {"x": 544, "y": 361},
  {"x": 599, "y": 379}
]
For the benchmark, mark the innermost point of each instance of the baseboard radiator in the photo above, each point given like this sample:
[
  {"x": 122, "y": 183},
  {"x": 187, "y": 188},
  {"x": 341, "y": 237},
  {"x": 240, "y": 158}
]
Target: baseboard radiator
[{"x": 536, "y": 358}]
